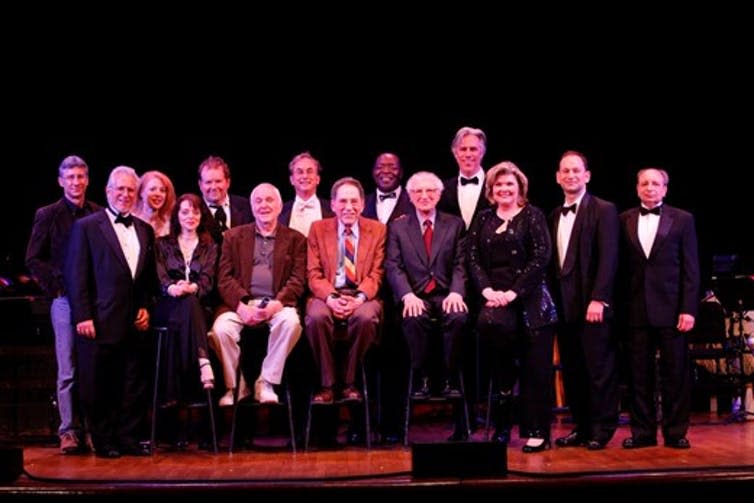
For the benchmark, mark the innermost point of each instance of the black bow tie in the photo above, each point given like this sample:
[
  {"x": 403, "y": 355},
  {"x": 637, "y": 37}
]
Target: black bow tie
[
  {"x": 389, "y": 195},
  {"x": 566, "y": 209},
  {"x": 656, "y": 210},
  {"x": 466, "y": 181},
  {"x": 127, "y": 220}
]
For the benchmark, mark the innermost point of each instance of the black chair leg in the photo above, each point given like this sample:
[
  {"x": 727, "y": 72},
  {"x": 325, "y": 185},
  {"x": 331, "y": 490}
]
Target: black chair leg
[
  {"x": 152, "y": 439},
  {"x": 289, "y": 403},
  {"x": 407, "y": 414}
]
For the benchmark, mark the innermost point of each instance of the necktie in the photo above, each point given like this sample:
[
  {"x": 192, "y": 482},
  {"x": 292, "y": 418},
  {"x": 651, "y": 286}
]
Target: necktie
[
  {"x": 220, "y": 217},
  {"x": 126, "y": 220},
  {"x": 565, "y": 209},
  {"x": 349, "y": 258},
  {"x": 466, "y": 181},
  {"x": 428, "y": 247},
  {"x": 389, "y": 195},
  {"x": 656, "y": 210}
]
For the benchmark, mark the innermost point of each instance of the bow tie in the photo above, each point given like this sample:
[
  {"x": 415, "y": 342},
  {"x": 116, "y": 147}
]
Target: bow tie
[
  {"x": 389, "y": 195},
  {"x": 644, "y": 211},
  {"x": 466, "y": 181},
  {"x": 566, "y": 209},
  {"x": 127, "y": 220},
  {"x": 305, "y": 206}
]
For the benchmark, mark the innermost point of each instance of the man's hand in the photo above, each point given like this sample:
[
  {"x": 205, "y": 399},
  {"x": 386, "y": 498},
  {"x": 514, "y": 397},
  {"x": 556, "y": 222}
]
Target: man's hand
[
  {"x": 595, "y": 312},
  {"x": 86, "y": 329},
  {"x": 454, "y": 303},
  {"x": 685, "y": 322},
  {"x": 142, "y": 319},
  {"x": 412, "y": 305}
]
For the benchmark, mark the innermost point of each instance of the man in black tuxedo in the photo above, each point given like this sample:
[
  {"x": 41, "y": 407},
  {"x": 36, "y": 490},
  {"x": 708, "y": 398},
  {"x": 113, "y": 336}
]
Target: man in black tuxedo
[
  {"x": 306, "y": 207},
  {"x": 463, "y": 195},
  {"x": 660, "y": 246},
  {"x": 585, "y": 232},
  {"x": 388, "y": 202},
  {"x": 426, "y": 269},
  {"x": 110, "y": 278},
  {"x": 228, "y": 210}
]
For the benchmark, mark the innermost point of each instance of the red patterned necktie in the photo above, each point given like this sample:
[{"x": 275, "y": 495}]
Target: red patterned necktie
[
  {"x": 428, "y": 247},
  {"x": 349, "y": 262}
]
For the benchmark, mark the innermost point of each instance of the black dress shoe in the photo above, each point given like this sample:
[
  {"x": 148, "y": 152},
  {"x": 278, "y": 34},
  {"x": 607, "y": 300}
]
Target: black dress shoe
[
  {"x": 573, "y": 439},
  {"x": 421, "y": 390},
  {"x": 354, "y": 438},
  {"x": 678, "y": 443},
  {"x": 638, "y": 443},
  {"x": 107, "y": 452},
  {"x": 451, "y": 391},
  {"x": 596, "y": 445},
  {"x": 502, "y": 436},
  {"x": 391, "y": 438},
  {"x": 458, "y": 436},
  {"x": 140, "y": 449},
  {"x": 528, "y": 449}
]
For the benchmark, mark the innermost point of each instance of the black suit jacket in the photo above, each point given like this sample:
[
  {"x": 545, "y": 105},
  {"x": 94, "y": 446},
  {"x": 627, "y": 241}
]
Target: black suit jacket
[
  {"x": 402, "y": 207},
  {"x": 407, "y": 265},
  {"x": 98, "y": 280},
  {"x": 240, "y": 214},
  {"x": 591, "y": 261},
  {"x": 666, "y": 283},
  {"x": 285, "y": 215},
  {"x": 48, "y": 243},
  {"x": 449, "y": 200}
]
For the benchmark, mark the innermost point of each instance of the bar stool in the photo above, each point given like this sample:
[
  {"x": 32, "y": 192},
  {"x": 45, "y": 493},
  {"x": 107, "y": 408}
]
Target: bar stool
[
  {"x": 434, "y": 399},
  {"x": 340, "y": 325},
  {"x": 162, "y": 333},
  {"x": 433, "y": 357},
  {"x": 246, "y": 334}
]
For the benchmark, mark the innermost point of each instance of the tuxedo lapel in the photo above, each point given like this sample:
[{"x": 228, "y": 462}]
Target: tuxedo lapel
[
  {"x": 108, "y": 234},
  {"x": 142, "y": 234},
  {"x": 663, "y": 230},
  {"x": 632, "y": 228}
]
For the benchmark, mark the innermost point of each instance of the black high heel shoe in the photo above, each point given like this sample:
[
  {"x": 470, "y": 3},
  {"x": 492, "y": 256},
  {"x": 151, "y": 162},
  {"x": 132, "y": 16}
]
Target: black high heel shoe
[{"x": 528, "y": 449}]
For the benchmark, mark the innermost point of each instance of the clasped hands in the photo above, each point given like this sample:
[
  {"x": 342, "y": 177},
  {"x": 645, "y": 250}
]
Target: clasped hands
[
  {"x": 181, "y": 288},
  {"x": 414, "y": 306},
  {"x": 251, "y": 314},
  {"x": 343, "y": 305},
  {"x": 498, "y": 298}
]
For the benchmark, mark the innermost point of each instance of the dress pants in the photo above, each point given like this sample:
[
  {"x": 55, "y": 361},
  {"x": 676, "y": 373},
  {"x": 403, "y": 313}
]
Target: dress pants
[{"x": 285, "y": 331}]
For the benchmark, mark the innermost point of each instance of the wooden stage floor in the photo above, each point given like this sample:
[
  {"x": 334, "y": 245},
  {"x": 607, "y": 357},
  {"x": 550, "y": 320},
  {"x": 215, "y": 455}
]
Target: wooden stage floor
[{"x": 721, "y": 457}]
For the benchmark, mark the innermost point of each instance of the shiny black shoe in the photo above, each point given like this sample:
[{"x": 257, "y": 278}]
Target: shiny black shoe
[
  {"x": 458, "y": 435},
  {"x": 139, "y": 449},
  {"x": 678, "y": 443},
  {"x": 596, "y": 445},
  {"x": 528, "y": 449},
  {"x": 108, "y": 452},
  {"x": 421, "y": 391},
  {"x": 354, "y": 438},
  {"x": 573, "y": 439},
  {"x": 451, "y": 391},
  {"x": 391, "y": 438},
  {"x": 502, "y": 436},
  {"x": 638, "y": 443}
]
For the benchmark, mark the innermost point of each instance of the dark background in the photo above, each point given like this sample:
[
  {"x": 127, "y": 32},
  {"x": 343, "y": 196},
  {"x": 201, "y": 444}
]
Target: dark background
[{"x": 666, "y": 94}]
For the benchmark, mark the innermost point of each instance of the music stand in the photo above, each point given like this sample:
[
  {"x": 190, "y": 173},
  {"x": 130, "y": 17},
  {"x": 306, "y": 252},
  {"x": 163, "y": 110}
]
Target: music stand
[{"x": 736, "y": 295}]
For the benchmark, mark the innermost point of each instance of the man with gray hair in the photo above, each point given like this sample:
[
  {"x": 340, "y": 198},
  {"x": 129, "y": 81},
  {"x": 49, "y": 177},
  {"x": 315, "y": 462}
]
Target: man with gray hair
[
  {"x": 260, "y": 279},
  {"x": 45, "y": 256},
  {"x": 464, "y": 194},
  {"x": 110, "y": 278}
]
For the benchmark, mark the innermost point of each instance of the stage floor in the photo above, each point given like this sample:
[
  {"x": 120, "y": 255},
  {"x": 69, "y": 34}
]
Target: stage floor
[{"x": 720, "y": 452}]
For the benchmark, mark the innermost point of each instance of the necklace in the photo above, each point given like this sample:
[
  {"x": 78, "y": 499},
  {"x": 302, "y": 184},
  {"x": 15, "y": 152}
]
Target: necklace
[{"x": 187, "y": 246}]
